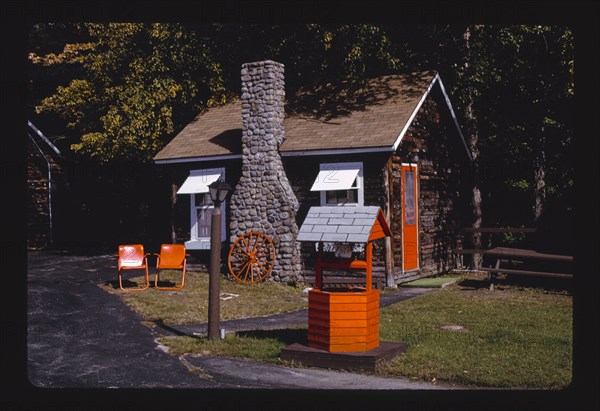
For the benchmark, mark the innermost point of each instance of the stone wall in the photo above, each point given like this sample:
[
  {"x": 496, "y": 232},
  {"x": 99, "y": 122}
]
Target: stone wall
[{"x": 263, "y": 199}]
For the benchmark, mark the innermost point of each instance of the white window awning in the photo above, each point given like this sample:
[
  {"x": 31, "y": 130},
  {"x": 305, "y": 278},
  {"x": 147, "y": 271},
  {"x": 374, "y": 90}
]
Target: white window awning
[
  {"x": 335, "y": 177},
  {"x": 198, "y": 182}
]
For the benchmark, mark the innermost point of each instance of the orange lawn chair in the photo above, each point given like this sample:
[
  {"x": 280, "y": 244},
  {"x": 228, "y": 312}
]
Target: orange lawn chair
[
  {"x": 171, "y": 257},
  {"x": 132, "y": 257}
]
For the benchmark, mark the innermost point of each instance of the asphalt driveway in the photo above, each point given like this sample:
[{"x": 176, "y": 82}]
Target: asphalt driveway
[{"x": 81, "y": 336}]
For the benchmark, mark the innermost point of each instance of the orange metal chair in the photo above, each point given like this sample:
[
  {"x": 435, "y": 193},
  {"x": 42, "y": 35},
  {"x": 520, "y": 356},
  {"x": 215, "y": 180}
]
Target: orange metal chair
[
  {"x": 171, "y": 257},
  {"x": 132, "y": 257}
]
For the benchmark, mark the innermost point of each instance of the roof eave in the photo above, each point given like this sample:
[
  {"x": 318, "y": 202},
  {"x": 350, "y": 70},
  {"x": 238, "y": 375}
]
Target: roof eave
[
  {"x": 197, "y": 159},
  {"x": 454, "y": 118},
  {"x": 334, "y": 151}
]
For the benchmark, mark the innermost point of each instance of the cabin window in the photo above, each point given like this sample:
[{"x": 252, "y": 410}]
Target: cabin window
[
  {"x": 340, "y": 184},
  {"x": 409, "y": 197},
  {"x": 337, "y": 197},
  {"x": 201, "y": 206}
]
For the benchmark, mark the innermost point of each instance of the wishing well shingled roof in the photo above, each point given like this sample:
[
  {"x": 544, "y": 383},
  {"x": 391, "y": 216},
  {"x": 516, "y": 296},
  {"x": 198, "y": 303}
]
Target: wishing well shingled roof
[{"x": 339, "y": 224}]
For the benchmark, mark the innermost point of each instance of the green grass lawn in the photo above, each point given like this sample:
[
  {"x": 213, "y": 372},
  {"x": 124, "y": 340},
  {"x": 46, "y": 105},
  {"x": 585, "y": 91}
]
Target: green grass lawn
[
  {"x": 509, "y": 337},
  {"x": 190, "y": 305},
  {"x": 512, "y": 337}
]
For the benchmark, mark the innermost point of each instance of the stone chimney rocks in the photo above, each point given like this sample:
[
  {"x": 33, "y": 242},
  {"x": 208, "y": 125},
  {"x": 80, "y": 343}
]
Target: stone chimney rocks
[{"x": 263, "y": 200}]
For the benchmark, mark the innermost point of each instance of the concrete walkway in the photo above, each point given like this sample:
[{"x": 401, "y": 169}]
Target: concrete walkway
[
  {"x": 82, "y": 336},
  {"x": 279, "y": 321}
]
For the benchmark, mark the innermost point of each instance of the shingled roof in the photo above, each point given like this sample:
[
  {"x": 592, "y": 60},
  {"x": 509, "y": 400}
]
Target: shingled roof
[
  {"x": 345, "y": 224},
  {"x": 319, "y": 118}
]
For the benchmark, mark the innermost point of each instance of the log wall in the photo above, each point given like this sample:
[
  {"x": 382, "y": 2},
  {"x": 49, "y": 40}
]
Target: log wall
[{"x": 443, "y": 191}]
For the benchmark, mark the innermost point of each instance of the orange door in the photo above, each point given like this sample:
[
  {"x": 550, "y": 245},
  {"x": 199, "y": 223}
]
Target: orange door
[{"x": 410, "y": 217}]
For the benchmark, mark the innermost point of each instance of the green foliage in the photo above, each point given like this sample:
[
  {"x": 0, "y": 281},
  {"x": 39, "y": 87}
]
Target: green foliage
[
  {"x": 520, "y": 82},
  {"x": 312, "y": 53},
  {"x": 123, "y": 90},
  {"x": 356, "y": 52},
  {"x": 135, "y": 76},
  {"x": 137, "y": 84}
]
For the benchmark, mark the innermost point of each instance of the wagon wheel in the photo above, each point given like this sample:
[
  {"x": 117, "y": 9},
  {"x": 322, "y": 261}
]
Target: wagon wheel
[{"x": 251, "y": 257}]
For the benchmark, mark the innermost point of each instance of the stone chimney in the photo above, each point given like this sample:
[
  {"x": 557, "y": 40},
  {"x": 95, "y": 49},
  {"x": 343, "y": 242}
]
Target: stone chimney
[{"x": 263, "y": 200}]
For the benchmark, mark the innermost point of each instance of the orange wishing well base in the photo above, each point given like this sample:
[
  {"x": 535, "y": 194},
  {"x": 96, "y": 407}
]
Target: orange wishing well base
[{"x": 343, "y": 321}]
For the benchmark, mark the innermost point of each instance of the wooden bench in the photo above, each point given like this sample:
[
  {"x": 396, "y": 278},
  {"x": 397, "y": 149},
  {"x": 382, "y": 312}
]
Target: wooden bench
[{"x": 504, "y": 255}]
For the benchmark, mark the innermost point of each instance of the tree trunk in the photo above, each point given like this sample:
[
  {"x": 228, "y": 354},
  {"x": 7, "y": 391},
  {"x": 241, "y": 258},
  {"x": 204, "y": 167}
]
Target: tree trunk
[
  {"x": 539, "y": 178},
  {"x": 476, "y": 197},
  {"x": 539, "y": 166},
  {"x": 473, "y": 137}
]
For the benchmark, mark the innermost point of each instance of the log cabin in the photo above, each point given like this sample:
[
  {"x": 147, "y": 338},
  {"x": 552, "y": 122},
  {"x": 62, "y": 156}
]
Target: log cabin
[{"x": 394, "y": 143}]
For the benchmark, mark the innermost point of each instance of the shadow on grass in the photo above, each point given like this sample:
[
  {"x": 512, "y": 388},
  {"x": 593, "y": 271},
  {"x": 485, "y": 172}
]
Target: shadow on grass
[
  {"x": 173, "y": 331},
  {"x": 165, "y": 284},
  {"x": 544, "y": 283},
  {"x": 114, "y": 284},
  {"x": 287, "y": 335},
  {"x": 516, "y": 281},
  {"x": 474, "y": 284}
]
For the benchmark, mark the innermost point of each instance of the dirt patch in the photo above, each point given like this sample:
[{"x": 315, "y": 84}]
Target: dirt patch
[{"x": 454, "y": 327}]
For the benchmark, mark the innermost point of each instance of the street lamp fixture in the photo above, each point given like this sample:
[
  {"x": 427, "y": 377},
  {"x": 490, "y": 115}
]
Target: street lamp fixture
[{"x": 218, "y": 192}]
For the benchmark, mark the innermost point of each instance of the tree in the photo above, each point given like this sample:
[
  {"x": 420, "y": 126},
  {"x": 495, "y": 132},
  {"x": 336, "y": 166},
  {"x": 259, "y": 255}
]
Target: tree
[
  {"x": 137, "y": 82},
  {"x": 516, "y": 83},
  {"x": 512, "y": 87},
  {"x": 472, "y": 133},
  {"x": 135, "y": 85},
  {"x": 311, "y": 53},
  {"x": 125, "y": 89},
  {"x": 527, "y": 103}
]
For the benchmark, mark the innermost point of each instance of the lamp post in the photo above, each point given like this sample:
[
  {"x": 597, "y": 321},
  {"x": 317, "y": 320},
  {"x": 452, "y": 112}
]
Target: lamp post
[{"x": 218, "y": 191}]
